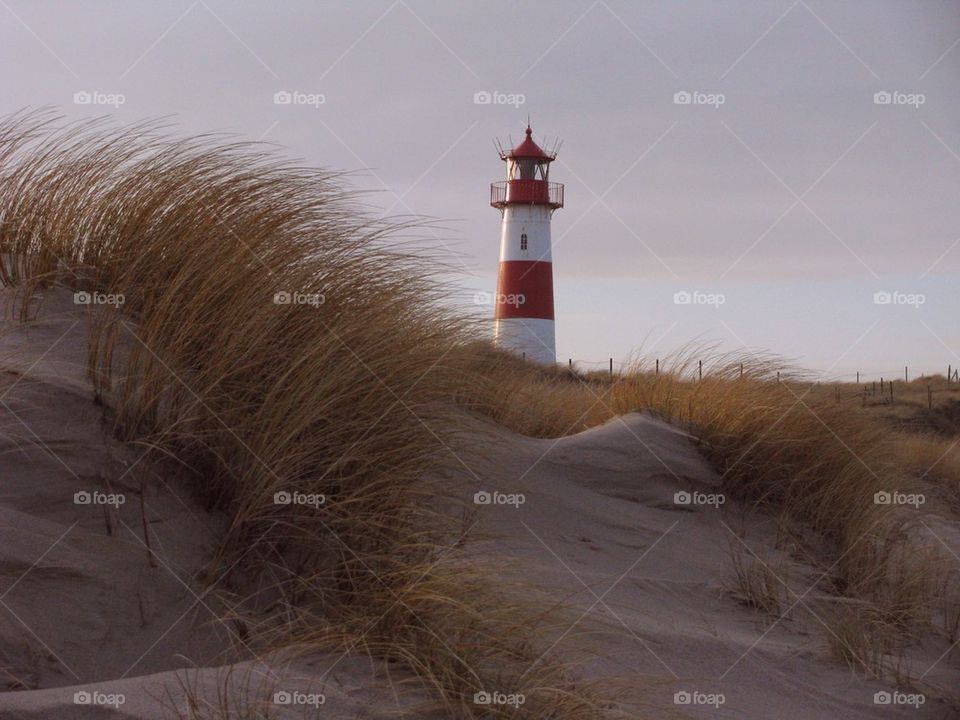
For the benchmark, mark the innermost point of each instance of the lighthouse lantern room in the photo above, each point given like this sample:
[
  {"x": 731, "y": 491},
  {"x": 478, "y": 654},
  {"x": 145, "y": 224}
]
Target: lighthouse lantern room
[{"x": 523, "y": 305}]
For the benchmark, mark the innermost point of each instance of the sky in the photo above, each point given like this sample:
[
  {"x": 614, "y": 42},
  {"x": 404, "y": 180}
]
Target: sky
[{"x": 778, "y": 176}]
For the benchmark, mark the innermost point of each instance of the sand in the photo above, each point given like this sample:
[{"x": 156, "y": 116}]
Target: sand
[
  {"x": 600, "y": 528},
  {"x": 82, "y": 608},
  {"x": 85, "y": 607}
]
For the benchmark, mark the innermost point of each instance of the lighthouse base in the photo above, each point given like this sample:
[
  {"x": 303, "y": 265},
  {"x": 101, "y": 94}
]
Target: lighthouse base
[{"x": 532, "y": 338}]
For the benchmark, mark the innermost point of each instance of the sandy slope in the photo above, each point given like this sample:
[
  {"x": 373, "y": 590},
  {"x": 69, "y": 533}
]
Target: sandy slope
[
  {"x": 599, "y": 527},
  {"x": 82, "y": 608}
]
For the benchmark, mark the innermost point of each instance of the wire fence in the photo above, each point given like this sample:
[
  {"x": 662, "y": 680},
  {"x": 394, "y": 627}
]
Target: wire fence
[{"x": 870, "y": 383}]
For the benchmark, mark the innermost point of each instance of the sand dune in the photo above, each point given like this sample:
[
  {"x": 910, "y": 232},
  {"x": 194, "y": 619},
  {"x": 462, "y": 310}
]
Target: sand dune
[
  {"x": 86, "y": 607},
  {"x": 599, "y": 528}
]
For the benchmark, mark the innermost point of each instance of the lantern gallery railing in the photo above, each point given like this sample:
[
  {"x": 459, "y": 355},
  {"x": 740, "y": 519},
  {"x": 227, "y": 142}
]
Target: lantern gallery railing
[{"x": 534, "y": 192}]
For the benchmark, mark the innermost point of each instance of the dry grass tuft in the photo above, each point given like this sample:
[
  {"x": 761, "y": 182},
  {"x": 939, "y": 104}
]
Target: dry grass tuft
[
  {"x": 861, "y": 638},
  {"x": 948, "y": 592},
  {"x": 756, "y": 584},
  {"x": 933, "y": 459},
  {"x": 236, "y": 694}
]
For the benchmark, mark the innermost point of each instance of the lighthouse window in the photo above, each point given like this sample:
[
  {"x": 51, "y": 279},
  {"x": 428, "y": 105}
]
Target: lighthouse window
[{"x": 523, "y": 241}]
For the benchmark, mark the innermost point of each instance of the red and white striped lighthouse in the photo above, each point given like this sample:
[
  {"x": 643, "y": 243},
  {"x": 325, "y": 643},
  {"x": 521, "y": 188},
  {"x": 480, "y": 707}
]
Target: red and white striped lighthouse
[{"x": 523, "y": 314}]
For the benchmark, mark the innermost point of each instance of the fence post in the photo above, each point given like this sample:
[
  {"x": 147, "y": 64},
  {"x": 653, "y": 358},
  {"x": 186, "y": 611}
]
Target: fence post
[
  {"x": 701, "y": 369},
  {"x": 741, "y": 369},
  {"x": 657, "y": 372},
  {"x": 611, "y": 368},
  {"x": 905, "y": 379},
  {"x": 858, "y": 377}
]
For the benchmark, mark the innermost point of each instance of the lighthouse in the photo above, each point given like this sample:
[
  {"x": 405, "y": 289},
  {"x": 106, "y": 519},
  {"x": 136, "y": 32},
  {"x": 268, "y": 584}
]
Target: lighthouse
[{"x": 523, "y": 305}]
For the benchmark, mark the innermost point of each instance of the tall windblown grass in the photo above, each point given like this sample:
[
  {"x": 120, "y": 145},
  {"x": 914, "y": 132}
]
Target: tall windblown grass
[
  {"x": 274, "y": 343},
  {"x": 932, "y": 459}
]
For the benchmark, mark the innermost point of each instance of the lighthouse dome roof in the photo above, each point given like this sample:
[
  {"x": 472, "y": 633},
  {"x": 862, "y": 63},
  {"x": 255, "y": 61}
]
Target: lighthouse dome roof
[{"x": 529, "y": 149}]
